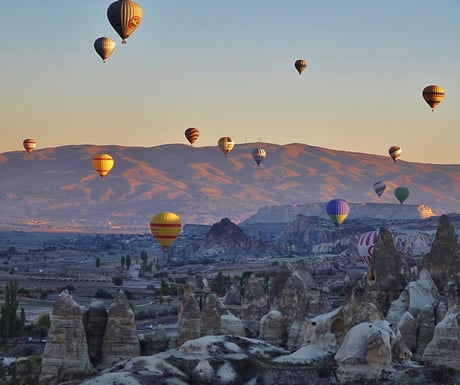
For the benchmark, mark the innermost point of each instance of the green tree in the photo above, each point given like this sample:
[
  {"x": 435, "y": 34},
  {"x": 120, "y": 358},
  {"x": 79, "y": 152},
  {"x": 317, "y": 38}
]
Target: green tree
[
  {"x": 98, "y": 262},
  {"x": 10, "y": 323},
  {"x": 128, "y": 262},
  {"x": 218, "y": 285},
  {"x": 117, "y": 280},
  {"x": 122, "y": 262}
]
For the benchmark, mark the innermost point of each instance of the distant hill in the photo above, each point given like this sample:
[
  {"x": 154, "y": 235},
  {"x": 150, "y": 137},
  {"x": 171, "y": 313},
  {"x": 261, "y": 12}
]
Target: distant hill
[{"x": 56, "y": 187}]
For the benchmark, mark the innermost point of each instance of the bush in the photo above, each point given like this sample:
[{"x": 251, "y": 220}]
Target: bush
[
  {"x": 117, "y": 280},
  {"x": 101, "y": 293}
]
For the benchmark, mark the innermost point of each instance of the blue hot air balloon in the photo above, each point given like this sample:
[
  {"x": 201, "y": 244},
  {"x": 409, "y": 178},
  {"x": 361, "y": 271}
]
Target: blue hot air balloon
[{"x": 338, "y": 210}]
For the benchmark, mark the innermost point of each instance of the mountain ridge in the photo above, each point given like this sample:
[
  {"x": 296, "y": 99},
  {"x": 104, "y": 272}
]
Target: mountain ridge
[{"x": 58, "y": 185}]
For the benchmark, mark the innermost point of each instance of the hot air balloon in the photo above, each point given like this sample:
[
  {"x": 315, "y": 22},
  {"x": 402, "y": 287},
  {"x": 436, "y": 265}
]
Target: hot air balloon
[
  {"x": 366, "y": 245},
  {"x": 395, "y": 152},
  {"x": 104, "y": 47},
  {"x": 165, "y": 228},
  {"x": 338, "y": 210},
  {"x": 300, "y": 65},
  {"x": 433, "y": 95},
  {"x": 192, "y": 134},
  {"x": 379, "y": 188},
  {"x": 225, "y": 144},
  {"x": 258, "y": 154},
  {"x": 124, "y": 16},
  {"x": 102, "y": 164},
  {"x": 401, "y": 194},
  {"x": 29, "y": 145}
]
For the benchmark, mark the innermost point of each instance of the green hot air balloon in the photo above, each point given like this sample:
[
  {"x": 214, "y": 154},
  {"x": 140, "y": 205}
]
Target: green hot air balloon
[{"x": 401, "y": 194}]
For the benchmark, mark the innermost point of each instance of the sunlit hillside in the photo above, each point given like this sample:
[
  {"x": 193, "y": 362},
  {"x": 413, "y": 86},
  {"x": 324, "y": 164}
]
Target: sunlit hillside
[{"x": 58, "y": 187}]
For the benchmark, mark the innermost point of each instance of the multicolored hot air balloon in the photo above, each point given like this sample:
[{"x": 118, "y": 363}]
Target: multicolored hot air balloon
[
  {"x": 124, "y": 16},
  {"x": 401, "y": 194},
  {"x": 300, "y": 65},
  {"x": 338, "y": 210},
  {"x": 102, "y": 164},
  {"x": 258, "y": 154},
  {"x": 29, "y": 145},
  {"x": 366, "y": 245},
  {"x": 379, "y": 188},
  {"x": 165, "y": 228},
  {"x": 104, "y": 47},
  {"x": 225, "y": 144},
  {"x": 192, "y": 134},
  {"x": 433, "y": 95},
  {"x": 395, "y": 152}
]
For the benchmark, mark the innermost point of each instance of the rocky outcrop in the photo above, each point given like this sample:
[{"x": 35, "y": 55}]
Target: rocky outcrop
[
  {"x": 120, "y": 337},
  {"x": 444, "y": 347},
  {"x": 95, "y": 323},
  {"x": 272, "y": 328},
  {"x": 189, "y": 319},
  {"x": 224, "y": 237},
  {"x": 388, "y": 272},
  {"x": 210, "y": 316},
  {"x": 66, "y": 350},
  {"x": 443, "y": 261},
  {"x": 254, "y": 304},
  {"x": 231, "y": 325}
]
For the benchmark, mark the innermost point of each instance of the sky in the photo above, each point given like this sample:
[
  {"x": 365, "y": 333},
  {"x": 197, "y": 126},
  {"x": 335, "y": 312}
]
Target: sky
[{"x": 227, "y": 68}]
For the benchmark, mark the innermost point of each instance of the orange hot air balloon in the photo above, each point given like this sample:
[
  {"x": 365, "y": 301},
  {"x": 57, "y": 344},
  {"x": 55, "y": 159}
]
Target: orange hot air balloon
[
  {"x": 102, "y": 164},
  {"x": 192, "y": 134},
  {"x": 300, "y": 65},
  {"x": 433, "y": 95},
  {"x": 165, "y": 228},
  {"x": 124, "y": 16},
  {"x": 29, "y": 145},
  {"x": 395, "y": 152}
]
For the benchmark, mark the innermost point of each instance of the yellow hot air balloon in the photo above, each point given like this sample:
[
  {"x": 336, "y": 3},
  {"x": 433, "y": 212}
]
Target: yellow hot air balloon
[
  {"x": 29, "y": 145},
  {"x": 102, "y": 164},
  {"x": 124, "y": 16},
  {"x": 395, "y": 152},
  {"x": 165, "y": 228},
  {"x": 300, "y": 65},
  {"x": 104, "y": 47},
  {"x": 225, "y": 144},
  {"x": 433, "y": 95}
]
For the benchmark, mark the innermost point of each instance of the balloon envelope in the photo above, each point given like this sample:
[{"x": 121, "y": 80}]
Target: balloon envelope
[
  {"x": 225, "y": 144},
  {"x": 401, "y": 194},
  {"x": 165, "y": 228},
  {"x": 102, "y": 164},
  {"x": 124, "y": 16},
  {"x": 366, "y": 245},
  {"x": 258, "y": 154},
  {"x": 29, "y": 145},
  {"x": 300, "y": 65},
  {"x": 104, "y": 47},
  {"x": 395, "y": 152},
  {"x": 379, "y": 188},
  {"x": 338, "y": 210},
  {"x": 192, "y": 134},
  {"x": 433, "y": 95}
]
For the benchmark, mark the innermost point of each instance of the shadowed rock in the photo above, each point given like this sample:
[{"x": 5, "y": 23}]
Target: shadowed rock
[{"x": 96, "y": 321}]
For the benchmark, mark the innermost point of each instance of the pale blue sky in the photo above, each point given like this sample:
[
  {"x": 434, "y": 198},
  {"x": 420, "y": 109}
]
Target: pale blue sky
[{"x": 227, "y": 68}]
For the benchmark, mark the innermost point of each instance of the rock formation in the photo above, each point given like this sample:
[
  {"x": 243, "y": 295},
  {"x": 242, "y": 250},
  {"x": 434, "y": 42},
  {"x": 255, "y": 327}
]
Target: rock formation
[
  {"x": 66, "y": 350},
  {"x": 443, "y": 261},
  {"x": 224, "y": 237},
  {"x": 120, "y": 337},
  {"x": 189, "y": 319},
  {"x": 272, "y": 328},
  {"x": 210, "y": 316},
  {"x": 254, "y": 304},
  {"x": 95, "y": 323},
  {"x": 388, "y": 272}
]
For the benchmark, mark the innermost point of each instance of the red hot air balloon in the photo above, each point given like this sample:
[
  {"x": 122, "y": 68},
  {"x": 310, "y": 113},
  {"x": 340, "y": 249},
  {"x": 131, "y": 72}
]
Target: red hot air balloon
[
  {"x": 192, "y": 134},
  {"x": 29, "y": 145}
]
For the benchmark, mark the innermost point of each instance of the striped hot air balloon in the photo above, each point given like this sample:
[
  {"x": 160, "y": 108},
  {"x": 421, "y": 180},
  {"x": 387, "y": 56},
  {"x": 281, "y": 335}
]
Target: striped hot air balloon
[
  {"x": 300, "y": 65},
  {"x": 258, "y": 154},
  {"x": 433, "y": 95},
  {"x": 379, "y": 188},
  {"x": 165, "y": 228},
  {"x": 192, "y": 134},
  {"x": 104, "y": 47},
  {"x": 124, "y": 16},
  {"x": 225, "y": 144},
  {"x": 395, "y": 152},
  {"x": 102, "y": 164},
  {"x": 338, "y": 210},
  {"x": 366, "y": 245},
  {"x": 29, "y": 145}
]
